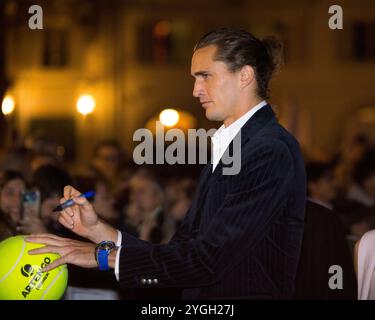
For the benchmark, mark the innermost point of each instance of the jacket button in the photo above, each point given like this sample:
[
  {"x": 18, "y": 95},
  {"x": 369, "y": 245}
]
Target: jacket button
[{"x": 143, "y": 281}]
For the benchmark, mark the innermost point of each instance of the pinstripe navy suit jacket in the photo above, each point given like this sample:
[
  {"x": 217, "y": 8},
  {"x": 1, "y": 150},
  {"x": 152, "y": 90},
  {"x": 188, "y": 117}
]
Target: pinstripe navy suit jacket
[{"x": 241, "y": 237}]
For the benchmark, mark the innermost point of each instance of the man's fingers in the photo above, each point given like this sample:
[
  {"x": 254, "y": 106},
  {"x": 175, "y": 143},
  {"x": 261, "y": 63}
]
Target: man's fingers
[
  {"x": 69, "y": 211},
  {"x": 47, "y": 235},
  {"x": 46, "y": 249},
  {"x": 66, "y": 221},
  {"x": 81, "y": 200},
  {"x": 70, "y": 192},
  {"x": 47, "y": 239},
  {"x": 54, "y": 264}
]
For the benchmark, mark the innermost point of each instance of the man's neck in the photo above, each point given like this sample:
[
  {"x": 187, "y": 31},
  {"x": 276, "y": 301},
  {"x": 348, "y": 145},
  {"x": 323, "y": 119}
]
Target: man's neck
[{"x": 241, "y": 110}]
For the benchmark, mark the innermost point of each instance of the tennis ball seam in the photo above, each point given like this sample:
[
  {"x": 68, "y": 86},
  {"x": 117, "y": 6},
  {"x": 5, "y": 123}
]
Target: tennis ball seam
[
  {"x": 15, "y": 264},
  {"x": 51, "y": 284}
]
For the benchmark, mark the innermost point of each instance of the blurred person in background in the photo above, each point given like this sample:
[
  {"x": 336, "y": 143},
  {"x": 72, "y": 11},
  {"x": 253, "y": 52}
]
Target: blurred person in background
[
  {"x": 364, "y": 263},
  {"x": 145, "y": 219},
  {"x": 144, "y": 216},
  {"x": 324, "y": 245},
  {"x": 108, "y": 162},
  {"x": 12, "y": 184},
  {"x": 40, "y": 159},
  {"x": 352, "y": 152},
  {"x": 321, "y": 187},
  {"x": 17, "y": 160},
  {"x": 324, "y": 241},
  {"x": 104, "y": 202},
  {"x": 49, "y": 180},
  {"x": 363, "y": 189},
  {"x": 45, "y": 150},
  {"x": 178, "y": 197},
  {"x": 358, "y": 219}
]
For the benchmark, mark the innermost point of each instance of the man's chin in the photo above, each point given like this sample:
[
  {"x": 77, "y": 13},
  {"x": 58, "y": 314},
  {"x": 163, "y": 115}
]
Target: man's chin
[{"x": 213, "y": 117}]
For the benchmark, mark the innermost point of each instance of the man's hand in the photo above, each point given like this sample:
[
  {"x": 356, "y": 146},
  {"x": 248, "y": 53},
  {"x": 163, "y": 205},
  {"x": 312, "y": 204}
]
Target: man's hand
[
  {"x": 82, "y": 219},
  {"x": 79, "y": 253}
]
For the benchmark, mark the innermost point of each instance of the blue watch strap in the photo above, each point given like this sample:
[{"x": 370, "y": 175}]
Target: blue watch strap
[{"x": 103, "y": 259}]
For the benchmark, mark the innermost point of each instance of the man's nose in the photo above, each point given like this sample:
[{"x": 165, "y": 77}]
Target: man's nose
[{"x": 197, "y": 90}]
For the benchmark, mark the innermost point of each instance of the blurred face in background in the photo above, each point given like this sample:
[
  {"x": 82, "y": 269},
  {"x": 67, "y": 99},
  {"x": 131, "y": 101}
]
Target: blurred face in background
[
  {"x": 41, "y": 160},
  {"x": 369, "y": 185},
  {"x": 178, "y": 194},
  {"x": 104, "y": 202},
  {"x": 145, "y": 194},
  {"x": 46, "y": 210},
  {"x": 10, "y": 199},
  {"x": 107, "y": 159},
  {"x": 323, "y": 189}
]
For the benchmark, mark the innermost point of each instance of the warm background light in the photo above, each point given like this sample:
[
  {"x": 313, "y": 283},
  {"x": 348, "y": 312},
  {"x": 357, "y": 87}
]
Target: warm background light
[
  {"x": 169, "y": 117},
  {"x": 7, "y": 106},
  {"x": 86, "y": 104}
]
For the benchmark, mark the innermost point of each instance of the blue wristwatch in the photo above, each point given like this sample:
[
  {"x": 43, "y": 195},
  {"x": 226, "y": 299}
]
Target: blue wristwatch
[{"x": 102, "y": 251}]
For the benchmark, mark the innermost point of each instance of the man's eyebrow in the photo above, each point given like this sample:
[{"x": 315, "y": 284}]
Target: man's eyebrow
[{"x": 199, "y": 73}]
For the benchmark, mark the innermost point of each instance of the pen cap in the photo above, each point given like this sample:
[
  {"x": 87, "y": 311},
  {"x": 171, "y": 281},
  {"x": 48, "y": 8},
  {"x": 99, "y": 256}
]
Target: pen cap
[{"x": 89, "y": 194}]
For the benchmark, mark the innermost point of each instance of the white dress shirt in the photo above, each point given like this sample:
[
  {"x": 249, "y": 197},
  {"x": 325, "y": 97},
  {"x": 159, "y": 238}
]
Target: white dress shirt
[
  {"x": 220, "y": 140},
  {"x": 224, "y": 135},
  {"x": 117, "y": 262}
]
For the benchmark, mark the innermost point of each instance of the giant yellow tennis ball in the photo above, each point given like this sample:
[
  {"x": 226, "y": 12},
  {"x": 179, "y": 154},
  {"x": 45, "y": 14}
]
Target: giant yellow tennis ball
[{"x": 20, "y": 273}]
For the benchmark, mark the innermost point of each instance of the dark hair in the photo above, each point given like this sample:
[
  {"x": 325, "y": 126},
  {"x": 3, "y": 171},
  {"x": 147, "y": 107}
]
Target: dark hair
[
  {"x": 238, "y": 48},
  {"x": 89, "y": 182},
  {"x": 10, "y": 175},
  {"x": 108, "y": 143},
  {"x": 364, "y": 169},
  {"x": 50, "y": 181},
  {"x": 317, "y": 170}
]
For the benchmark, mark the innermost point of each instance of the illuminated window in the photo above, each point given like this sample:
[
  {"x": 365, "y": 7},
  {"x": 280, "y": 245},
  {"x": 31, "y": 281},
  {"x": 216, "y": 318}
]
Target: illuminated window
[
  {"x": 164, "y": 42},
  {"x": 55, "y": 48},
  {"x": 357, "y": 41}
]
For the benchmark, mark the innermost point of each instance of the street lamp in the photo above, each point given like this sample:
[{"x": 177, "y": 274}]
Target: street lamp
[
  {"x": 7, "y": 107},
  {"x": 169, "y": 117},
  {"x": 86, "y": 104}
]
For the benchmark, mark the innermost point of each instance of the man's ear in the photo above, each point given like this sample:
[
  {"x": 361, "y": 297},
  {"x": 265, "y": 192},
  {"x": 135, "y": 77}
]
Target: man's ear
[{"x": 247, "y": 76}]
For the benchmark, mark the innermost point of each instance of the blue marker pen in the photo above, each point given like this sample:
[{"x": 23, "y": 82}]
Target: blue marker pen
[{"x": 70, "y": 202}]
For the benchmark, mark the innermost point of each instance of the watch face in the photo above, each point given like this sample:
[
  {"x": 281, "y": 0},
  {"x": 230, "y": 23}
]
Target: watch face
[{"x": 107, "y": 245}]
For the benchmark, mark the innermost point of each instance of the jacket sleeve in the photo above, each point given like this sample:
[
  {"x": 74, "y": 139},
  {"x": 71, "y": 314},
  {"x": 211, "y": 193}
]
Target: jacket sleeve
[{"x": 257, "y": 199}]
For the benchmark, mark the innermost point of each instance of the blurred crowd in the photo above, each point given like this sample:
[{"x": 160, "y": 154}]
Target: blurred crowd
[
  {"x": 345, "y": 184},
  {"x": 150, "y": 201},
  {"x": 147, "y": 203}
]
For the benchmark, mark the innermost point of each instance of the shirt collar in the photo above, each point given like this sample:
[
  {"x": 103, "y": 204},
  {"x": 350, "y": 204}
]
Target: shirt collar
[{"x": 234, "y": 127}]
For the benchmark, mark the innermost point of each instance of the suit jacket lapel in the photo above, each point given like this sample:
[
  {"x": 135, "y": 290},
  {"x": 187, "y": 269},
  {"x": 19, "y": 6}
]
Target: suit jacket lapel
[
  {"x": 249, "y": 130},
  {"x": 207, "y": 180}
]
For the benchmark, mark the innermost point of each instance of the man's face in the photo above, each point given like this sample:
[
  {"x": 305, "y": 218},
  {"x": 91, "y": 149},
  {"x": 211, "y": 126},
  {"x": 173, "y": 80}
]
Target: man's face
[{"x": 215, "y": 85}]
